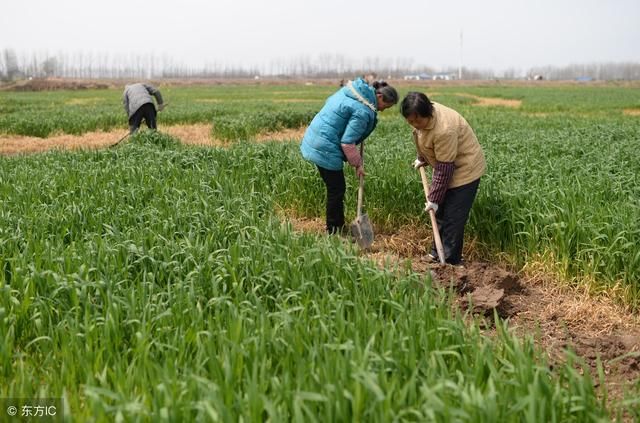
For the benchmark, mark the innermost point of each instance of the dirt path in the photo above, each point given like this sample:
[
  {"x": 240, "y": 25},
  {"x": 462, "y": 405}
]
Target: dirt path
[{"x": 559, "y": 318}]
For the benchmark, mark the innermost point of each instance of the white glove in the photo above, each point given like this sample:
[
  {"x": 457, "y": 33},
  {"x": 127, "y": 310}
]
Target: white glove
[
  {"x": 430, "y": 206},
  {"x": 418, "y": 163},
  {"x": 160, "y": 107}
]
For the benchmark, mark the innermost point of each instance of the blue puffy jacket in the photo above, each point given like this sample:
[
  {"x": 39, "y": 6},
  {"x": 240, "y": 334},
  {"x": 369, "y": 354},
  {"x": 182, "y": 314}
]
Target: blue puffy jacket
[{"x": 344, "y": 119}]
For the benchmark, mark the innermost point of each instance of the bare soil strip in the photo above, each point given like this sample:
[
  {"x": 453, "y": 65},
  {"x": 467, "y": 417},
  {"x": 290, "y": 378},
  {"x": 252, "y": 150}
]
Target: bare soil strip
[
  {"x": 196, "y": 134},
  {"x": 559, "y": 317},
  {"x": 537, "y": 114},
  {"x": 296, "y": 100},
  {"x": 631, "y": 112},
  {"x": 85, "y": 101},
  {"x": 284, "y": 135},
  {"x": 16, "y": 144},
  {"x": 489, "y": 101},
  {"x": 277, "y": 100}
]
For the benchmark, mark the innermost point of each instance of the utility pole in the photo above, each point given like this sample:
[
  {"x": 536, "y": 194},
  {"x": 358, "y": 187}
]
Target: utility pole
[{"x": 460, "y": 65}]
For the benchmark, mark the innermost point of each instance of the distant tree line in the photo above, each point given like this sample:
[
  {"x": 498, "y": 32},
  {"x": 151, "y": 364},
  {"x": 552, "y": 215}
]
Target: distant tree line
[
  {"x": 598, "y": 71},
  {"x": 119, "y": 66}
]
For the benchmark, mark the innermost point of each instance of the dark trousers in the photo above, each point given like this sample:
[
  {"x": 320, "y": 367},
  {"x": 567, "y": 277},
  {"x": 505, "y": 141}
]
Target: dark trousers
[
  {"x": 452, "y": 215},
  {"x": 147, "y": 112},
  {"x": 336, "y": 187}
]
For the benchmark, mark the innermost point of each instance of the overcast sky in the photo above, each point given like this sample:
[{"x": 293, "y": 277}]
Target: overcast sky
[{"x": 497, "y": 34}]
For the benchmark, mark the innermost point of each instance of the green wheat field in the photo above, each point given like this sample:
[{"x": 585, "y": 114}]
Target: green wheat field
[{"x": 156, "y": 281}]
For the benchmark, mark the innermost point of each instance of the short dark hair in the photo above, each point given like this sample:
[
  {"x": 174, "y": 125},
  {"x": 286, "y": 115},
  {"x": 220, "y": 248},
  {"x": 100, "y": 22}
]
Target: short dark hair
[
  {"x": 388, "y": 93},
  {"x": 416, "y": 103}
]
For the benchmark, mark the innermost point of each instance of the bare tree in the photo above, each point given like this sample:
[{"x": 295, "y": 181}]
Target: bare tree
[
  {"x": 50, "y": 66},
  {"x": 11, "y": 68}
]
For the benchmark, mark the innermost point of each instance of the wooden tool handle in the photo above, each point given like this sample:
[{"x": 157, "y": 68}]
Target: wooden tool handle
[
  {"x": 361, "y": 186},
  {"x": 432, "y": 215}
]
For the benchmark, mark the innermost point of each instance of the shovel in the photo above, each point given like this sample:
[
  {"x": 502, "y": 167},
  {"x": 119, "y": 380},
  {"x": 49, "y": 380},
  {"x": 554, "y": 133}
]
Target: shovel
[
  {"x": 361, "y": 228},
  {"x": 432, "y": 214}
]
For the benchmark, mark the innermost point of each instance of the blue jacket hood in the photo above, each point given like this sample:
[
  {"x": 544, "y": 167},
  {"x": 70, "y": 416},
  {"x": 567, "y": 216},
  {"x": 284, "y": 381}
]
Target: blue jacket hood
[{"x": 364, "y": 89}]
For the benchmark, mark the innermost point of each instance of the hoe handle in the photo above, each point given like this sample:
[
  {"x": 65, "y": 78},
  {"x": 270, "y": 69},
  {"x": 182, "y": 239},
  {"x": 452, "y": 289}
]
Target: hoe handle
[
  {"x": 120, "y": 140},
  {"x": 361, "y": 186},
  {"x": 432, "y": 215}
]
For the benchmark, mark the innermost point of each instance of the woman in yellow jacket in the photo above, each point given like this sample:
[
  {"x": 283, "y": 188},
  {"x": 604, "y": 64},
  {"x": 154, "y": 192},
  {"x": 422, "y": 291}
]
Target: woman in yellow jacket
[{"x": 446, "y": 142}]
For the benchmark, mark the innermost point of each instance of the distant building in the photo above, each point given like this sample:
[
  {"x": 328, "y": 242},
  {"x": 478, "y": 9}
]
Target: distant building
[
  {"x": 419, "y": 77},
  {"x": 443, "y": 76},
  {"x": 584, "y": 79}
]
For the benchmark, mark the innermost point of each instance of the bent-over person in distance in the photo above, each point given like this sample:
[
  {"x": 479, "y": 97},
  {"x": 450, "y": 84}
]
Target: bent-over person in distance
[{"x": 138, "y": 105}]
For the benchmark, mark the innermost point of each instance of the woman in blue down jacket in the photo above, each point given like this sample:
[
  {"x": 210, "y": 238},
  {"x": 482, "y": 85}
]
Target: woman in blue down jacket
[{"x": 345, "y": 120}]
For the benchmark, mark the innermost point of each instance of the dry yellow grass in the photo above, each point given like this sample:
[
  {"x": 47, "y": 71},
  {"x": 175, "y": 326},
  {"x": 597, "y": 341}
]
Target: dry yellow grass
[
  {"x": 284, "y": 135},
  {"x": 195, "y": 134},
  {"x": 12, "y": 144},
  {"x": 85, "y": 101},
  {"x": 631, "y": 112},
  {"x": 489, "y": 101},
  {"x": 296, "y": 100},
  {"x": 537, "y": 114}
]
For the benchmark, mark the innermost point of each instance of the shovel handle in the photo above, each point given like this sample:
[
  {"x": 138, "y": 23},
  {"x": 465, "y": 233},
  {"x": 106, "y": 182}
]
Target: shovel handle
[
  {"x": 432, "y": 215},
  {"x": 361, "y": 186}
]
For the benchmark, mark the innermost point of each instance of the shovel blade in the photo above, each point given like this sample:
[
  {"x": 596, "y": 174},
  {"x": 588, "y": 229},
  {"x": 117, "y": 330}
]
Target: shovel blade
[{"x": 362, "y": 231}]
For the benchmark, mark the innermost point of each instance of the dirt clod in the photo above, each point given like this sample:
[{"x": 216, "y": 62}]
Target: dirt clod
[{"x": 483, "y": 286}]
